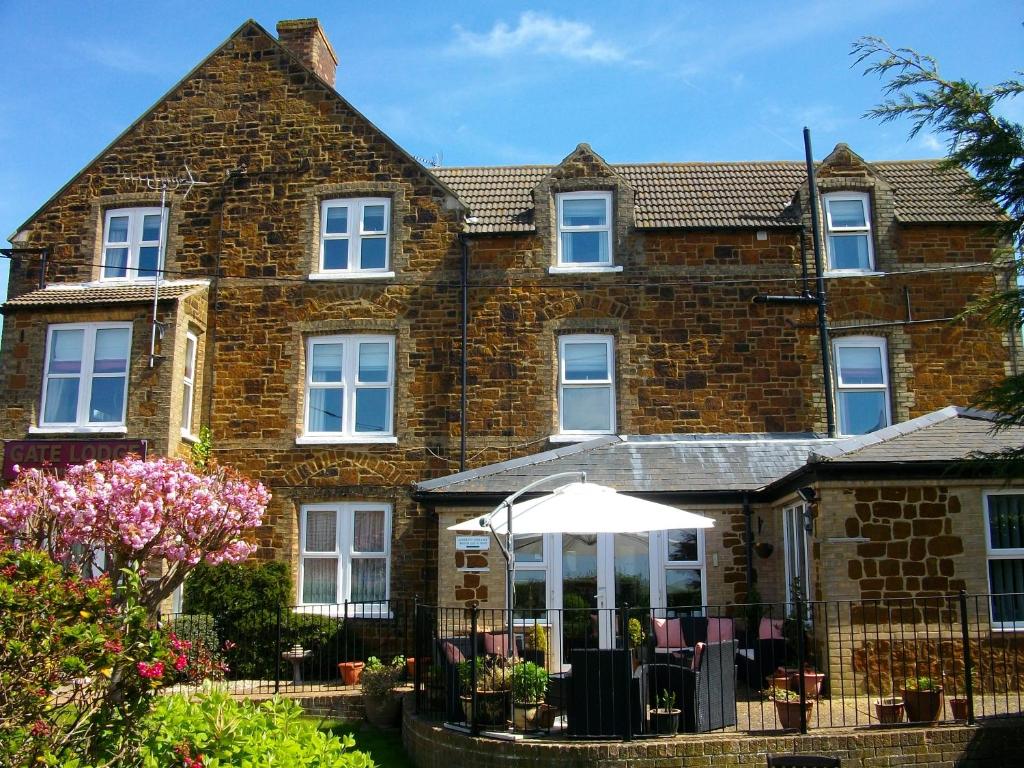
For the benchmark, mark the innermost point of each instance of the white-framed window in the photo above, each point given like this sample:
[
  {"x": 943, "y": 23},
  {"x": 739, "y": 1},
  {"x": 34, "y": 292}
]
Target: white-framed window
[
  {"x": 345, "y": 553},
  {"x": 584, "y": 229},
  {"x": 531, "y": 579},
  {"x": 188, "y": 383},
  {"x": 131, "y": 243},
  {"x": 848, "y": 225},
  {"x": 862, "y": 384},
  {"x": 354, "y": 235},
  {"x": 1004, "y": 540},
  {"x": 350, "y": 383},
  {"x": 797, "y": 553},
  {"x": 682, "y": 551},
  {"x": 586, "y": 384},
  {"x": 85, "y": 378}
]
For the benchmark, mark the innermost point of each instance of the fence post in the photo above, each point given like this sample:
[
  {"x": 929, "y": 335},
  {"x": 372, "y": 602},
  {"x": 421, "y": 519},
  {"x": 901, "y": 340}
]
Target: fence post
[
  {"x": 277, "y": 653},
  {"x": 968, "y": 665},
  {"x": 628, "y": 703},
  {"x": 801, "y": 658},
  {"x": 349, "y": 635},
  {"x": 473, "y": 727}
]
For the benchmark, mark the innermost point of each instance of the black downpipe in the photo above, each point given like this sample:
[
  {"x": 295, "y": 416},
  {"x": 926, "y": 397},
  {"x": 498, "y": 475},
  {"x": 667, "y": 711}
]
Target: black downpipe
[
  {"x": 748, "y": 524},
  {"x": 464, "y": 286},
  {"x": 826, "y": 357}
]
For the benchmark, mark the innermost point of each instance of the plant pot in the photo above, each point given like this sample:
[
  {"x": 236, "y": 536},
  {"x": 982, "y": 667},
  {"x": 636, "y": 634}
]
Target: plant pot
[
  {"x": 491, "y": 707},
  {"x": 383, "y": 711},
  {"x": 923, "y": 706},
  {"x": 665, "y": 722},
  {"x": 889, "y": 710},
  {"x": 812, "y": 682},
  {"x": 524, "y": 715},
  {"x": 958, "y": 705},
  {"x": 350, "y": 671},
  {"x": 546, "y": 714},
  {"x": 788, "y": 713}
]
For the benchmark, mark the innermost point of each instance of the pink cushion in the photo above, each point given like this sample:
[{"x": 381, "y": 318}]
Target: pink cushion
[
  {"x": 496, "y": 644},
  {"x": 669, "y": 633},
  {"x": 452, "y": 653},
  {"x": 698, "y": 653},
  {"x": 770, "y": 629},
  {"x": 720, "y": 630}
]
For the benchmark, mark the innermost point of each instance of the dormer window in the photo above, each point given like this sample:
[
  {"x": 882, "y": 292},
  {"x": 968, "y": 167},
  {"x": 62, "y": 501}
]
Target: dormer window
[
  {"x": 848, "y": 221},
  {"x": 584, "y": 229},
  {"x": 131, "y": 244}
]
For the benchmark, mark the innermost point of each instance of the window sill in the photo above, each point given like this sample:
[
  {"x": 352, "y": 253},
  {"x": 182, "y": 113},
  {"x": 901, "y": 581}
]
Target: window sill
[
  {"x": 577, "y": 438},
  {"x": 77, "y": 430},
  {"x": 338, "y": 610},
  {"x": 582, "y": 269},
  {"x": 339, "y": 440},
  {"x": 832, "y": 273},
  {"x": 351, "y": 275},
  {"x": 188, "y": 437}
]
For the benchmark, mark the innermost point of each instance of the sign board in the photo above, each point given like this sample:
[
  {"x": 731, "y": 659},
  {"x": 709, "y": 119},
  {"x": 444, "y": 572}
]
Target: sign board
[
  {"x": 60, "y": 454},
  {"x": 472, "y": 543}
]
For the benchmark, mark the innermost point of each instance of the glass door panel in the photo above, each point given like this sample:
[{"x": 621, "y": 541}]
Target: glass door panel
[
  {"x": 579, "y": 592},
  {"x": 632, "y": 574}
]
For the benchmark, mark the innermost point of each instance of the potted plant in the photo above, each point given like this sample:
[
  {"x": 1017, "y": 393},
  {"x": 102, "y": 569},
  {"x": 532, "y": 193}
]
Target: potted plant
[
  {"x": 665, "y": 716},
  {"x": 350, "y": 671},
  {"x": 958, "y": 701},
  {"x": 493, "y": 686},
  {"x": 535, "y": 644},
  {"x": 529, "y": 684},
  {"x": 787, "y": 706},
  {"x": 889, "y": 709},
  {"x": 636, "y": 639},
  {"x": 922, "y": 697},
  {"x": 381, "y": 699},
  {"x": 813, "y": 681}
]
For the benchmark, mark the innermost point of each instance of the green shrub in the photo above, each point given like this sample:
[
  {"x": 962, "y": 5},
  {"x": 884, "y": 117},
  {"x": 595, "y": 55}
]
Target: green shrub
[
  {"x": 380, "y": 680},
  {"x": 213, "y": 729},
  {"x": 529, "y": 682}
]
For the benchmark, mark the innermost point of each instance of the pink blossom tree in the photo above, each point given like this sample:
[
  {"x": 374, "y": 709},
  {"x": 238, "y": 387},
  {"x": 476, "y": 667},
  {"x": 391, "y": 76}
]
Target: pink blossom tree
[{"x": 159, "y": 517}]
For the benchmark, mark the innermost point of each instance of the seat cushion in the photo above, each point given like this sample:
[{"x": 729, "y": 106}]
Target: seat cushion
[
  {"x": 720, "y": 630},
  {"x": 770, "y": 629},
  {"x": 669, "y": 633},
  {"x": 452, "y": 652},
  {"x": 496, "y": 644}
]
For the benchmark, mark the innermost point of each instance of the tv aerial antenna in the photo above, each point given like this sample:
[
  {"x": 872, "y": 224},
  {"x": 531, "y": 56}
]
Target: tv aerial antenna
[{"x": 166, "y": 185}]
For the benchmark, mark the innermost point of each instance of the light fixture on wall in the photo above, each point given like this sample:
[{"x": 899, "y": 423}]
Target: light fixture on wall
[{"x": 808, "y": 494}]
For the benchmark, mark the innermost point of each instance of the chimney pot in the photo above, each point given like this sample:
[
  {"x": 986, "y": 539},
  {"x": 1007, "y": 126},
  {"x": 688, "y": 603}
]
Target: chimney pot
[{"x": 305, "y": 38}]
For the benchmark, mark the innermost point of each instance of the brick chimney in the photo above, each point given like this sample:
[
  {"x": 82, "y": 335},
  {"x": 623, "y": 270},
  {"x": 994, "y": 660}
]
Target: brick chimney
[{"x": 306, "y": 39}]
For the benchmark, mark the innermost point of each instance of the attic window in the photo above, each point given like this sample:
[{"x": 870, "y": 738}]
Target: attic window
[
  {"x": 584, "y": 229},
  {"x": 848, "y": 220}
]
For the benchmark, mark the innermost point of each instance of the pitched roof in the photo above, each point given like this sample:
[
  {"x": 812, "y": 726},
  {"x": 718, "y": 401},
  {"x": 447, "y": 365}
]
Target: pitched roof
[
  {"x": 647, "y": 464},
  {"x": 709, "y": 195},
  {"x": 950, "y": 434},
  {"x": 58, "y": 295}
]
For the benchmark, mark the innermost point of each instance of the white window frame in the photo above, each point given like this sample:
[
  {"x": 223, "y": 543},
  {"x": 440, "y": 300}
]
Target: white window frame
[
  {"x": 563, "y": 385},
  {"x": 189, "y": 384},
  {"x": 85, "y": 379},
  {"x": 345, "y": 553},
  {"x": 349, "y": 385},
  {"x": 543, "y": 565},
  {"x": 875, "y": 342},
  {"x": 1002, "y": 553},
  {"x": 833, "y": 231},
  {"x": 136, "y": 216},
  {"x": 661, "y": 565},
  {"x": 796, "y": 551},
  {"x": 355, "y": 236},
  {"x": 560, "y": 199}
]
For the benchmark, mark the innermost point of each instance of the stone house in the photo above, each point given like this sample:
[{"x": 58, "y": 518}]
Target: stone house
[{"x": 351, "y": 326}]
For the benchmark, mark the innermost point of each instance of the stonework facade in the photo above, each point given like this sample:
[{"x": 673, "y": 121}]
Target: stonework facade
[{"x": 258, "y": 123}]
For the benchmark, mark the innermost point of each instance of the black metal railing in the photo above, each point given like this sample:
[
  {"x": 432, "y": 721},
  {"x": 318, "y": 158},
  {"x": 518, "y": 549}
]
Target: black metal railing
[
  {"x": 766, "y": 667},
  {"x": 290, "y": 647}
]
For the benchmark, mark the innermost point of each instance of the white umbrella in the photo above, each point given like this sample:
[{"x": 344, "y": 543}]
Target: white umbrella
[{"x": 584, "y": 508}]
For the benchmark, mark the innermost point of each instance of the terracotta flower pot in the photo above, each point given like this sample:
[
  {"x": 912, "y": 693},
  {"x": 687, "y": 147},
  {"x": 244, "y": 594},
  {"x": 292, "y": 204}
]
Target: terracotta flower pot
[
  {"x": 923, "y": 706},
  {"x": 350, "y": 671},
  {"x": 958, "y": 705},
  {"x": 812, "y": 682},
  {"x": 889, "y": 710},
  {"x": 789, "y": 713}
]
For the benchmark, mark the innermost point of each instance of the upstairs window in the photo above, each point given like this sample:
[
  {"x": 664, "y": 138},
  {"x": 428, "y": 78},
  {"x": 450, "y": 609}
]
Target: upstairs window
[
  {"x": 85, "y": 381},
  {"x": 349, "y": 387},
  {"x": 1004, "y": 514},
  {"x": 131, "y": 244},
  {"x": 584, "y": 229},
  {"x": 354, "y": 235},
  {"x": 586, "y": 399},
  {"x": 188, "y": 384},
  {"x": 848, "y": 221},
  {"x": 862, "y": 384}
]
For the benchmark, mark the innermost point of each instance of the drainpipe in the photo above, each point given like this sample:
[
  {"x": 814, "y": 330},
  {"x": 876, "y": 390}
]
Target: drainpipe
[
  {"x": 42, "y": 253},
  {"x": 464, "y": 363},
  {"x": 826, "y": 358},
  {"x": 748, "y": 524}
]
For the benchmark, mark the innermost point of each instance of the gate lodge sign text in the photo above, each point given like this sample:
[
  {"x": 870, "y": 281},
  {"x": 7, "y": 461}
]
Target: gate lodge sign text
[{"x": 63, "y": 453}]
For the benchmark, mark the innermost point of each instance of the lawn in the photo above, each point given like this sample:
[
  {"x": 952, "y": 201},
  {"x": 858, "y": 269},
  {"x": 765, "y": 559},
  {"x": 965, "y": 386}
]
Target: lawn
[{"x": 385, "y": 746}]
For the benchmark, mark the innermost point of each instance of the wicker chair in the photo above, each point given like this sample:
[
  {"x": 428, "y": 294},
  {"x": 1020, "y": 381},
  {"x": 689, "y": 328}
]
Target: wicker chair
[{"x": 709, "y": 689}]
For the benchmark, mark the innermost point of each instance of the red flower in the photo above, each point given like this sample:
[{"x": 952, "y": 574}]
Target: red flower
[
  {"x": 152, "y": 671},
  {"x": 180, "y": 663}
]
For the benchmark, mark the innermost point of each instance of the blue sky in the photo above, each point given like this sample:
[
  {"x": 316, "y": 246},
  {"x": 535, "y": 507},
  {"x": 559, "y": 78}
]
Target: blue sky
[{"x": 481, "y": 83}]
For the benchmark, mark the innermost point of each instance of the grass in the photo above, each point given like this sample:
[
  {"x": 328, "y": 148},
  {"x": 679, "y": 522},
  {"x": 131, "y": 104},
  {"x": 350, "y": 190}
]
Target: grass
[{"x": 384, "y": 746}]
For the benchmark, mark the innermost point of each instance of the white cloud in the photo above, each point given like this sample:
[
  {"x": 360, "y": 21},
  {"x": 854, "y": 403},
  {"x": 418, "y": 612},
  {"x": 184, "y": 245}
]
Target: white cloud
[
  {"x": 118, "y": 57},
  {"x": 931, "y": 142},
  {"x": 538, "y": 33}
]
